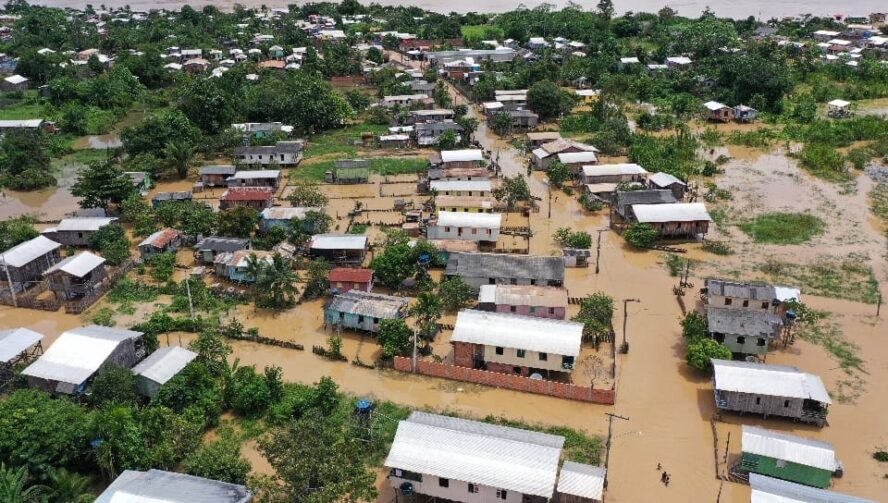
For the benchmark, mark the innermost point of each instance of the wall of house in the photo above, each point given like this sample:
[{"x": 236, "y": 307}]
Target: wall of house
[
  {"x": 351, "y": 321},
  {"x": 24, "y": 276},
  {"x": 72, "y": 238},
  {"x": 681, "y": 228},
  {"x": 214, "y": 180},
  {"x": 746, "y": 345},
  {"x": 64, "y": 286},
  {"x": 258, "y": 205},
  {"x": 457, "y": 490},
  {"x": 739, "y": 303},
  {"x": 763, "y": 404},
  {"x": 254, "y": 182},
  {"x": 463, "y": 209},
  {"x": 507, "y": 381},
  {"x": 464, "y": 354},
  {"x": 340, "y": 256},
  {"x": 462, "y": 233},
  {"x": 552, "y": 313},
  {"x": 510, "y": 359},
  {"x": 477, "y": 281},
  {"x": 279, "y": 159},
  {"x": 612, "y": 178},
  {"x": 345, "y": 286}
]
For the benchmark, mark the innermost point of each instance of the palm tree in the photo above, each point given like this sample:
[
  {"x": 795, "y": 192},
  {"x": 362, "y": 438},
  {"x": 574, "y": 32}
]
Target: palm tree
[
  {"x": 427, "y": 310},
  {"x": 277, "y": 281},
  {"x": 70, "y": 487},
  {"x": 179, "y": 154},
  {"x": 15, "y": 488}
]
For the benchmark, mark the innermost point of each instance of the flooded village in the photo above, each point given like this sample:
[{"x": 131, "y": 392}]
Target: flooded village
[{"x": 357, "y": 253}]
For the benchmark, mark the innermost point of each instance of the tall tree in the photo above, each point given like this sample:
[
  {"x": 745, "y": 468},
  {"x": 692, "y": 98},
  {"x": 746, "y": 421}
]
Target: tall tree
[
  {"x": 24, "y": 164},
  {"x": 102, "y": 184},
  {"x": 427, "y": 311}
]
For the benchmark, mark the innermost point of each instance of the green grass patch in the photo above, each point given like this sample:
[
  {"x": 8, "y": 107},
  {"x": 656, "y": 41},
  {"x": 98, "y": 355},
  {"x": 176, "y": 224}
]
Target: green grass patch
[
  {"x": 340, "y": 141},
  {"x": 879, "y": 202},
  {"x": 783, "y": 228},
  {"x": 87, "y": 156},
  {"x": 379, "y": 165},
  {"x": 358, "y": 229},
  {"x": 849, "y": 278},
  {"x": 25, "y": 109},
  {"x": 478, "y": 32}
]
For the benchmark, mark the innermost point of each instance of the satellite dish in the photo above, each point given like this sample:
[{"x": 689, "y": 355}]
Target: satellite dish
[{"x": 536, "y": 376}]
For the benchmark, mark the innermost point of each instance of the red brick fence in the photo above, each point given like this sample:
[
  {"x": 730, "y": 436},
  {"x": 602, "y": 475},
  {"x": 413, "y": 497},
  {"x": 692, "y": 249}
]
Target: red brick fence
[{"x": 507, "y": 381}]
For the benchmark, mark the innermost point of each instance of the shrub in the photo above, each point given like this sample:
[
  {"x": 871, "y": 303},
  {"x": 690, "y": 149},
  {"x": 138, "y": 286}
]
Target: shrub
[
  {"x": 718, "y": 247},
  {"x": 783, "y": 228},
  {"x": 702, "y": 349},
  {"x": 641, "y": 235},
  {"x": 693, "y": 325}
]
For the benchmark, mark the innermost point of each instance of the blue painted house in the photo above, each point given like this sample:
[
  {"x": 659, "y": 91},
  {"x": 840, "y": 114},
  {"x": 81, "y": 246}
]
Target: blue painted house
[
  {"x": 282, "y": 217},
  {"x": 359, "y": 310}
]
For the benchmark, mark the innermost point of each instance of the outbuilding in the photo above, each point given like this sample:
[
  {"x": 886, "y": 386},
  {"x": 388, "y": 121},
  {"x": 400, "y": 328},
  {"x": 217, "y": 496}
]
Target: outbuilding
[
  {"x": 76, "y": 276},
  {"x": 787, "y": 457},
  {"x": 339, "y": 248},
  {"x": 18, "y": 345},
  {"x": 665, "y": 181},
  {"x": 160, "y": 366},
  {"x": 345, "y": 279},
  {"x": 154, "y": 486},
  {"x": 162, "y": 241},
  {"x": 358, "y": 310}
]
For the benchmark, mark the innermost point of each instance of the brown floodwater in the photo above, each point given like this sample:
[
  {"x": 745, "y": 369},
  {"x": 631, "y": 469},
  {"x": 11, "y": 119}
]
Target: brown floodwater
[{"x": 49, "y": 204}]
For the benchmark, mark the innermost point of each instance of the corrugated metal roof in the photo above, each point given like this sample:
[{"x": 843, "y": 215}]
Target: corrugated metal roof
[
  {"x": 461, "y": 185},
  {"x": 501, "y": 265},
  {"x": 714, "y": 105},
  {"x": 613, "y": 169},
  {"x": 462, "y": 155},
  {"x": 495, "y": 456},
  {"x": 161, "y": 238},
  {"x": 577, "y": 157},
  {"x": 158, "y": 486},
  {"x": 768, "y": 380},
  {"x": 748, "y": 322},
  {"x": 15, "y": 341},
  {"x": 218, "y": 244},
  {"x": 676, "y": 212},
  {"x": 800, "y": 450},
  {"x": 78, "y": 265},
  {"x": 664, "y": 180},
  {"x": 466, "y": 219},
  {"x": 771, "y": 490},
  {"x": 375, "y": 305},
  {"x": 578, "y": 479},
  {"x": 78, "y": 353},
  {"x": 543, "y": 335},
  {"x": 253, "y": 174},
  {"x": 222, "y": 169},
  {"x": 282, "y": 213},
  {"x": 465, "y": 202},
  {"x": 163, "y": 364},
  {"x": 529, "y": 295},
  {"x": 785, "y": 293},
  {"x": 24, "y": 253},
  {"x": 84, "y": 224},
  {"x": 351, "y": 274},
  {"x": 20, "y": 123},
  {"x": 248, "y": 194},
  {"x": 740, "y": 290},
  {"x": 338, "y": 242}
]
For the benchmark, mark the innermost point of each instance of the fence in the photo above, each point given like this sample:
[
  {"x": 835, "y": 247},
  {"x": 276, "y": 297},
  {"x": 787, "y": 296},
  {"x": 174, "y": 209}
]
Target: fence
[
  {"x": 29, "y": 298},
  {"x": 507, "y": 381},
  {"x": 80, "y": 305}
]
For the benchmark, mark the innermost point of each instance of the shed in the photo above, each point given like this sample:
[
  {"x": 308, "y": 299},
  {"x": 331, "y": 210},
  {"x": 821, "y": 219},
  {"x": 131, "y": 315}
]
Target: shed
[
  {"x": 280, "y": 216},
  {"x": 206, "y": 249},
  {"x": 162, "y": 241},
  {"x": 76, "y": 276},
  {"x": 743, "y": 331},
  {"x": 160, "y": 366},
  {"x": 23, "y": 264},
  {"x": 673, "y": 220},
  {"x": 580, "y": 483},
  {"x": 665, "y": 181},
  {"x": 718, "y": 112},
  {"x": 77, "y": 231},
  {"x": 839, "y": 108},
  {"x": 156, "y": 486},
  {"x": 446, "y": 457},
  {"x": 78, "y": 354},
  {"x": 771, "y": 490},
  {"x": 14, "y": 83},
  {"x": 216, "y": 176},
  {"x": 358, "y": 310},
  {"x": 479, "y": 269},
  {"x": 344, "y": 279},
  {"x": 18, "y": 344},
  {"x": 339, "y": 248},
  {"x": 788, "y": 457}
]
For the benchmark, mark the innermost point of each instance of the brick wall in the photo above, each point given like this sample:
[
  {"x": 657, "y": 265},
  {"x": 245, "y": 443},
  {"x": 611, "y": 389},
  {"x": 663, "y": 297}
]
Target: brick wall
[
  {"x": 505, "y": 368},
  {"x": 508, "y": 381},
  {"x": 462, "y": 354}
]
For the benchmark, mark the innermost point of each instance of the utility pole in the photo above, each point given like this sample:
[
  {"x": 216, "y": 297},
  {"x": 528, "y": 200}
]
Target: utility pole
[
  {"x": 414, "y": 351},
  {"x": 607, "y": 454},
  {"x": 598, "y": 250},
  {"x": 626, "y": 317},
  {"x": 188, "y": 289},
  {"x": 879, "y": 305},
  {"x": 12, "y": 287}
]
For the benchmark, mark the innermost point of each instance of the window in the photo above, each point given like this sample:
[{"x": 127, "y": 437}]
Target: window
[
  {"x": 533, "y": 309},
  {"x": 474, "y": 230},
  {"x": 741, "y": 339},
  {"x": 758, "y": 400},
  {"x": 786, "y": 403},
  {"x": 360, "y": 319},
  {"x": 517, "y": 370},
  {"x": 501, "y": 494},
  {"x": 719, "y": 337},
  {"x": 544, "y": 357},
  {"x": 499, "y": 350},
  {"x": 473, "y": 488},
  {"x": 513, "y": 309},
  {"x": 443, "y": 482},
  {"x": 79, "y": 234},
  {"x": 521, "y": 353},
  {"x": 513, "y": 281},
  {"x": 446, "y": 229},
  {"x": 533, "y": 282},
  {"x": 375, "y": 321},
  {"x": 761, "y": 342},
  {"x": 727, "y": 301},
  {"x": 551, "y": 310},
  {"x": 745, "y": 303},
  {"x": 491, "y": 281},
  {"x": 764, "y": 305}
]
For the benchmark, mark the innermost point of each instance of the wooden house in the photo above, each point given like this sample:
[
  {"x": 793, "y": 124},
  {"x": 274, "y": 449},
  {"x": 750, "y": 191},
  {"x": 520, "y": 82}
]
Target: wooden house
[
  {"x": 770, "y": 490},
  {"x": 216, "y": 176},
  {"x": 442, "y": 458},
  {"x": 339, "y": 248},
  {"x": 466, "y": 158},
  {"x": 749, "y": 295},
  {"x": 770, "y": 390},
  {"x": 167, "y": 197},
  {"x": 257, "y": 198},
  {"x": 76, "y": 276},
  {"x": 787, "y": 457},
  {"x": 624, "y": 201},
  {"x": 839, "y": 109},
  {"x": 92, "y": 348},
  {"x": 574, "y": 161},
  {"x": 22, "y": 266},
  {"x": 542, "y": 156},
  {"x": 21, "y": 125},
  {"x": 283, "y": 153},
  {"x": 345, "y": 279},
  {"x": 235, "y": 266},
  {"x": 513, "y": 344},
  {"x": 77, "y": 231},
  {"x": 255, "y": 178},
  {"x": 171, "y": 487},
  {"x": 537, "y": 301},
  {"x": 523, "y": 119},
  {"x": 678, "y": 62},
  {"x": 478, "y": 269},
  {"x": 162, "y": 241},
  {"x": 481, "y": 227},
  {"x": 14, "y": 83},
  {"x": 665, "y": 181},
  {"x": 279, "y": 216},
  {"x": 512, "y": 99},
  {"x": 613, "y": 173},
  {"x": 160, "y": 366},
  {"x": 479, "y": 188},
  {"x": 580, "y": 483},
  {"x": 534, "y": 140},
  {"x": 433, "y": 115},
  {"x": 718, "y": 112},
  {"x": 364, "y": 311},
  {"x": 674, "y": 220},
  {"x": 196, "y": 65},
  {"x": 206, "y": 249},
  {"x": 348, "y": 171},
  {"x": 394, "y": 140},
  {"x": 746, "y": 114},
  {"x": 464, "y": 174},
  {"x": 743, "y": 331}
]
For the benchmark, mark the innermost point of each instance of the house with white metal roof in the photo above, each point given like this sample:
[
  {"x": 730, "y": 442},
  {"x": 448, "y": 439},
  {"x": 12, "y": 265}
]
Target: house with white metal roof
[
  {"x": 467, "y": 158},
  {"x": 770, "y": 390},
  {"x": 76, "y": 276},
  {"x": 787, "y": 457},
  {"x": 461, "y": 187},
  {"x": 339, "y": 248},
  {"x": 14, "y": 83},
  {"x": 718, "y": 112},
  {"x": 576, "y": 160},
  {"x": 481, "y": 227},
  {"x": 78, "y": 354},
  {"x": 161, "y": 366},
  {"x": 580, "y": 483},
  {"x": 18, "y": 344},
  {"x": 514, "y": 344},
  {"x": 468, "y": 461},
  {"x": 672, "y": 220},
  {"x": 613, "y": 173},
  {"x": 255, "y": 178},
  {"x": 22, "y": 266},
  {"x": 77, "y": 231},
  {"x": 17, "y": 124},
  {"x": 771, "y": 490},
  {"x": 665, "y": 181},
  {"x": 158, "y": 486},
  {"x": 525, "y": 300}
]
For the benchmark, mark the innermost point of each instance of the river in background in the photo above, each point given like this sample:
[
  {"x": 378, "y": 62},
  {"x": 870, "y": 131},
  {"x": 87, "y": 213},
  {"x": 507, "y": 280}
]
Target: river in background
[{"x": 735, "y": 8}]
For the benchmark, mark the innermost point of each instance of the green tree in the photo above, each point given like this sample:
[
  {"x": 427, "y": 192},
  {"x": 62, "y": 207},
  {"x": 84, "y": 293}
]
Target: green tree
[
  {"x": 246, "y": 392},
  {"x": 307, "y": 195},
  {"x": 596, "y": 314},
  {"x": 206, "y": 104},
  {"x": 16, "y": 487},
  {"x": 641, "y": 235},
  {"x": 395, "y": 337},
  {"x": 212, "y": 350},
  {"x": 427, "y": 311},
  {"x": 113, "y": 384},
  {"x": 154, "y": 133},
  {"x": 393, "y": 265},
  {"x": 15, "y": 231},
  {"x": 313, "y": 462},
  {"x": 512, "y": 191},
  {"x": 277, "y": 283},
  {"x": 237, "y": 222},
  {"x": 162, "y": 266},
  {"x": 102, "y": 184},
  {"x": 548, "y": 100},
  {"x": 694, "y": 325},
  {"x": 179, "y": 155},
  {"x": 195, "y": 388},
  {"x": 317, "y": 283},
  {"x": 111, "y": 242},
  {"x": 219, "y": 460},
  {"x": 455, "y": 293},
  {"x": 24, "y": 164},
  {"x": 569, "y": 239},
  {"x": 69, "y": 487},
  {"x": 703, "y": 349},
  {"x": 558, "y": 173},
  {"x": 501, "y": 122},
  {"x": 446, "y": 141}
]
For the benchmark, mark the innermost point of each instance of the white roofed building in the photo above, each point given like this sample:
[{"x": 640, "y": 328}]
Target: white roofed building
[
  {"x": 580, "y": 483},
  {"x": 158, "y": 486},
  {"x": 77, "y": 231},
  {"x": 339, "y": 248},
  {"x": 788, "y": 457},
  {"x": 461, "y": 187},
  {"x": 468, "y": 158},
  {"x": 673, "y": 220},
  {"x": 19, "y": 344},
  {"x": 482, "y": 227},
  {"x": 613, "y": 173},
  {"x": 771, "y": 490},
  {"x": 468, "y": 461},
  {"x": 22, "y": 266},
  {"x": 161, "y": 366},
  {"x": 77, "y": 276}
]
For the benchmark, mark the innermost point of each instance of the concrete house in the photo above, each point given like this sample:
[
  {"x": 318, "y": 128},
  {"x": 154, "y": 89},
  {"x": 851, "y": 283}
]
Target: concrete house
[
  {"x": 538, "y": 301},
  {"x": 160, "y": 366},
  {"x": 22, "y": 266},
  {"x": 718, "y": 112},
  {"x": 466, "y": 158},
  {"x": 257, "y": 198},
  {"x": 743, "y": 331},
  {"x": 206, "y": 249},
  {"x": 674, "y": 220},
  {"x": 78, "y": 354},
  {"x": 480, "y": 188},
  {"x": 216, "y": 176},
  {"x": 749, "y": 295},
  {"x": 255, "y": 178},
  {"x": 345, "y": 279},
  {"x": 279, "y": 216},
  {"x": 787, "y": 457},
  {"x": 770, "y": 390},
  {"x": 162, "y": 241},
  {"x": 171, "y": 487},
  {"x": 474, "y": 204},
  {"x": 514, "y": 344},
  {"x": 77, "y": 231},
  {"x": 478, "y": 269},
  {"x": 339, "y": 248},
  {"x": 459, "y": 460},
  {"x": 428, "y": 133},
  {"x": 76, "y": 276},
  {"x": 580, "y": 483},
  {"x": 481, "y": 227},
  {"x": 770, "y": 490},
  {"x": 665, "y": 181},
  {"x": 359, "y": 310},
  {"x": 284, "y": 153}
]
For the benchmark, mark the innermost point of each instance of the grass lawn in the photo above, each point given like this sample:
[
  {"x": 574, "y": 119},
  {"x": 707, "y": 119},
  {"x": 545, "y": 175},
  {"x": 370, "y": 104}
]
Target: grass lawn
[
  {"x": 340, "y": 141},
  {"x": 22, "y": 110},
  {"x": 379, "y": 165},
  {"x": 783, "y": 228},
  {"x": 482, "y": 32},
  {"x": 849, "y": 278}
]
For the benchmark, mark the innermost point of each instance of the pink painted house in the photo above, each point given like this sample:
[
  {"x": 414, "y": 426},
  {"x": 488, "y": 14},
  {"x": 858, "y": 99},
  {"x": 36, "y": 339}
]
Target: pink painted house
[
  {"x": 526, "y": 300},
  {"x": 343, "y": 279}
]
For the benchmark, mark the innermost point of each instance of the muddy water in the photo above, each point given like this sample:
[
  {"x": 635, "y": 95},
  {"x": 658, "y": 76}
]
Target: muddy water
[
  {"x": 51, "y": 203},
  {"x": 111, "y": 139}
]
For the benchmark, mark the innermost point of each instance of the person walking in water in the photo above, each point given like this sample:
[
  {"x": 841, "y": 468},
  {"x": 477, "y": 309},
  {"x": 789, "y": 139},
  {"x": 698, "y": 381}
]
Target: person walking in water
[
  {"x": 663, "y": 477},
  {"x": 659, "y": 466},
  {"x": 667, "y": 479}
]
